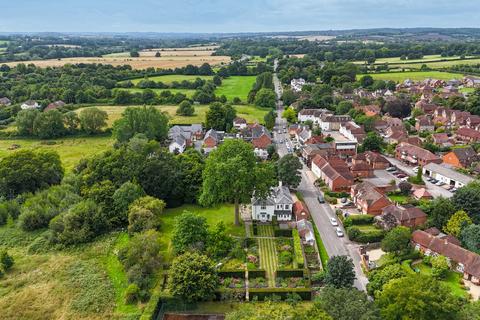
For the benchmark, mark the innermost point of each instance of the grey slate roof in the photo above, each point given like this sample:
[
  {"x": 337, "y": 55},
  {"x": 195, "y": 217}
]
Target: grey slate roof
[{"x": 449, "y": 173}]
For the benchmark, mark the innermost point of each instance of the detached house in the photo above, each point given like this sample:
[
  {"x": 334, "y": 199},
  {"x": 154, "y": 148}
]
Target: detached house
[
  {"x": 407, "y": 216},
  {"x": 368, "y": 198},
  {"x": 461, "y": 157},
  {"x": 30, "y": 104},
  {"x": 212, "y": 139},
  {"x": 467, "y": 135},
  {"x": 5, "y": 101},
  {"x": 333, "y": 122},
  {"x": 278, "y": 204},
  {"x": 460, "y": 259},
  {"x": 182, "y": 136},
  {"x": 239, "y": 123},
  {"x": 54, "y": 105}
]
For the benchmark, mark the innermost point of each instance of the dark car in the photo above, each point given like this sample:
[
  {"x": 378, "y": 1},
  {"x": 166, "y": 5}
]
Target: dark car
[{"x": 321, "y": 199}]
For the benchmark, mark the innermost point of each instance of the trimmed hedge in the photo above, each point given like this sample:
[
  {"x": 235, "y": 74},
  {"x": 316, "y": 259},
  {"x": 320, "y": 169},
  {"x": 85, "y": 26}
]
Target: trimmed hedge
[
  {"x": 255, "y": 229},
  {"x": 232, "y": 274},
  {"x": 357, "y": 235},
  {"x": 297, "y": 249},
  {"x": 290, "y": 273},
  {"x": 257, "y": 274},
  {"x": 362, "y": 219},
  {"x": 262, "y": 293},
  {"x": 286, "y": 233}
]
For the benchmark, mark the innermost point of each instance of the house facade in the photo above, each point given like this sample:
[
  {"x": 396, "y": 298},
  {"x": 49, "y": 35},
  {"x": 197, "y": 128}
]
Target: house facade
[
  {"x": 369, "y": 199},
  {"x": 414, "y": 155},
  {"x": 333, "y": 171},
  {"x": 278, "y": 204}
]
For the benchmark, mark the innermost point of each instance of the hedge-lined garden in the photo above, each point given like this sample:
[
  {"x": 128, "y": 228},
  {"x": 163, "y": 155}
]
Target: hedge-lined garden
[{"x": 360, "y": 228}]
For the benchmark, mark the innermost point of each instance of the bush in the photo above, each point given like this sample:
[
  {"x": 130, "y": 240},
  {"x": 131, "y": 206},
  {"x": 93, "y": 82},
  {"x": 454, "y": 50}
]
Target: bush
[
  {"x": 252, "y": 274},
  {"x": 3, "y": 214},
  {"x": 330, "y": 199},
  {"x": 267, "y": 293},
  {"x": 355, "y": 234},
  {"x": 232, "y": 274},
  {"x": 287, "y": 233},
  {"x": 6, "y": 260},
  {"x": 132, "y": 294},
  {"x": 363, "y": 219},
  {"x": 285, "y": 258}
]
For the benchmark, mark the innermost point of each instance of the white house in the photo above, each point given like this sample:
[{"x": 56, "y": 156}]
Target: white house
[
  {"x": 239, "y": 123},
  {"x": 330, "y": 122},
  {"x": 313, "y": 115},
  {"x": 297, "y": 84},
  {"x": 446, "y": 175},
  {"x": 30, "y": 104},
  {"x": 278, "y": 204},
  {"x": 178, "y": 144}
]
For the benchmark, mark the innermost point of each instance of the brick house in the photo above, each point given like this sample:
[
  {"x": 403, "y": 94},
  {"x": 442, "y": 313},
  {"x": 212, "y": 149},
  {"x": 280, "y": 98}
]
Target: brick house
[
  {"x": 467, "y": 135},
  {"x": 407, "y": 216},
  {"x": 414, "y": 155},
  {"x": 424, "y": 123},
  {"x": 333, "y": 171},
  {"x": 460, "y": 259},
  {"x": 212, "y": 139},
  {"x": 461, "y": 157},
  {"x": 300, "y": 211},
  {"x": 369, "y": 199}
]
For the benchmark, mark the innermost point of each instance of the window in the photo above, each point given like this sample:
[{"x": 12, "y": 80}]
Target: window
[{"x": 263, "y": 207}]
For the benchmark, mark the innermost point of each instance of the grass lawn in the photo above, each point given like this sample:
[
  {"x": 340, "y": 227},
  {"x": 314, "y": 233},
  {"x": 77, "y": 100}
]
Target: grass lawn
[
  {"x": 402, "y": 199},
  {"x": 249, "y": 112},
  {"x": 188, "y": 92},
  {"x": 467, "y": 90},
  {"x": 366, "y": 228},
  {"x": 268, "y": 253},
  {"x": 452, "y": 280},
  {"x": 70, "y": 149},
  {"x": 415, "y": 75},
  {"x": 236, "y": 86},
  {"x": 224, "y": 213},
  {"x": 171, "y": 78}
]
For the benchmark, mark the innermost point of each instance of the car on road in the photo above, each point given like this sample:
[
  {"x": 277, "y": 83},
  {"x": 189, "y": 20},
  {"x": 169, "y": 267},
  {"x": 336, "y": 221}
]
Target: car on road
[
  {"x": 334, "y": 222},
  {"x": 339, "y": 232},
  {"x": 321, "y": 199}
]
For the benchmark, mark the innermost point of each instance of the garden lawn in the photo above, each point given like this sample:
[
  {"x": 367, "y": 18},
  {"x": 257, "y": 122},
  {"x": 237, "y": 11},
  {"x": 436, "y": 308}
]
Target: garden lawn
[
  {"x": 268, "y": 252},
  {"x": 167, "y": 79},
  {"x": 236, "y": 86},
  {"x": 250, "y": 112},
  {"x": 415, "y": 75},
  {"x": 452, "y": 280},
  {"x": 224, "y": 213},
  {"x": 70, "y": 149},
  {"x": 402, "y": 199}
]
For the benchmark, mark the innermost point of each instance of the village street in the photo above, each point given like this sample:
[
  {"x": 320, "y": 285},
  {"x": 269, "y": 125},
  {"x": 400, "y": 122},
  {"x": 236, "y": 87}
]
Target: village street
[{"x": 321, "y": 213}]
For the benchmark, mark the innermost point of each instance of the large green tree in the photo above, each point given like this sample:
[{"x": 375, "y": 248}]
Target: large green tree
[
  {"x": 457, "y": 222},
  {"x": 439, "y": 211},
  {"x": 189, "y": 232},
  {"x": 92, "y": 120},
  {"x": 470, "y": 237},
  {"x": 265, "y": 98},
  {"x": 220, "y": 117},
  {"x": 397, "y": 240},
  {"x": 193, "y": 277},
  {"x": 49, "y": 125},
  {"x": 340, "y": 272},
  {"x": 232, "y": 174},
  {"x": 146, "y": 120},
  {"x": 288, "y": 170},
  {"x": 25, "y": 120},
  {"x": 379, "y": 277},
  {"x": 468, "y": 199},
  {"x": 418, "y": 297},
  {"x": 269, "y": 119},
  {"x": 28, "y": 171}
]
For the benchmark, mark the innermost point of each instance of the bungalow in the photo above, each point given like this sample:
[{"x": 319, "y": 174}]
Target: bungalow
[
  {"x": 5, "y": 102},
  {"x": 460, "y": 259},
  {"x": 305, "y": 230},
  {"x": 278, "y": 204},
  {"x": 239, "y": 123},
  {"x": 368, "y": 198},
  {"x": 330, "y": 122},
  {"x": 414, "y": 155},
  {"x": 447, "y": 175},
  {"x": 461, "y": 157},
  {"x": 30, "y": 104},
  {"x": 55, "y": 105},
  {"x": 333, "y": 171},
  {"x": 407, "y": 216},
  {"x": 300, "y": 211},
  {"x": 467, "y": 135},
  {"x": 424, "y": 123}
]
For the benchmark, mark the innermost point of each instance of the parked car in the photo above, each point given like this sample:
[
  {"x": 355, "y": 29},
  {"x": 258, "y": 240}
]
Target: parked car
[
  {"x": 440, "y": 183},
  {"x": 453, "y": 190},
  {"x": 428, "y": 178},
  {"x": 334, "y": 222},
  {"x": 321, "y": 199},
  {"x": 401, "y": 175},
  {"x": 391, "y": 169},
  {"x": 343, "y": 200},
  {"x": 339, "y": 232},
  {"x": 433, "y": 180}
]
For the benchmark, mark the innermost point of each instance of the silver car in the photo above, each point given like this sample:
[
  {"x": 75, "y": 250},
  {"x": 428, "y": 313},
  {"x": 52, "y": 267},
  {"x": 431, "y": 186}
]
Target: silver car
[
  {"x": 334, "y": 222},
  {"x": 339, "y": 232}
]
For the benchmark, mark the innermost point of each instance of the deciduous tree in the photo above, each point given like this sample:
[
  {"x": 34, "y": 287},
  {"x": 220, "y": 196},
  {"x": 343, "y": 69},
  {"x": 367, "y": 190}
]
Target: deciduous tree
[
  {"x": 457, "y": 222},
  {"x": 340, "y": 272},
  {"x": 288, "y": 170}
]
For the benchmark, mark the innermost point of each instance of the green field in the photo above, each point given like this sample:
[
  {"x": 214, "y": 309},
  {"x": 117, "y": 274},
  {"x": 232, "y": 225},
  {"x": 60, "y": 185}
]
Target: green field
[
  {"x": 70, "y": 149},
  {"x": 236, "y": 86},
  {"x": 415, "y": 76},
  {"x": 171, "y": 78},
  {"x": 268, "y": 252},
  {"x": 213, "y": 215},
  {"x": 188, "y": 92},
  {"x": 438, "y": 64},
  {"x": 249, "y": 112}
]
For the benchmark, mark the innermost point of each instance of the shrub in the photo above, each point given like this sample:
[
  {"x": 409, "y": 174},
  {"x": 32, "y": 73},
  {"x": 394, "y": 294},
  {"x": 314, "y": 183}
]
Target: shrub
[
  {"x": 132, "y": 294},
  {"x": 363, "y": 219},
  {"x": 262, "y": 294},
  {"x": 297, "y": 248},
  {"x": 285, "y": 258},
  {"x": 355, "y": 234},
  {"x": 3, "y": 214},
  {"x": 6, "y": 261}
]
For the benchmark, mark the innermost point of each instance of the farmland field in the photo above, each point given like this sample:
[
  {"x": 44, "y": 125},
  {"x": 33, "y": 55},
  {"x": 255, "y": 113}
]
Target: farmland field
[
  {"x": 188, "y": 92},
  {"x": 249, "y": 112},
  {"x": 170, "y": 52},
  {"x": 237, "y": 86},
  {"x": 439, "y": 64},
  {"x": 136, "y": 63},
  {"x": 427, "y": 58},
  {"x": 415, "y": 76},
  {"x": 169, "y": 78},
  {"x": 70, "y": 149}
]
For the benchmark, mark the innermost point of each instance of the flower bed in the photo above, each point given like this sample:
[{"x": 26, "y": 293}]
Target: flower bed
[
  {"x": 285, "y": 252},
  {"x": 253, "y": 258},
  {"x": 312, "y": 257},
  {"x": 293, "y": 282},
  {"x": 232, "y": 283},
  {"x": 259, "y": 282}
]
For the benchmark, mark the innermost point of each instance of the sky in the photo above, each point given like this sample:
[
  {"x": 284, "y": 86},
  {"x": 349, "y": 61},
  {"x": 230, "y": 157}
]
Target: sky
[{"x": 220, "y": 16}]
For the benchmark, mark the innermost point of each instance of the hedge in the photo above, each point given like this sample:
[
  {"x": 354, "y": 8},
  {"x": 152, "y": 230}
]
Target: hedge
[
  {"x": 362, "y": 219},
  {"x": 357, "y": 235},
  {"x": 255, "y": 229},
  {"x": 297, "y": 249},
  {"x": 232, "y": 274},
  {"x": 257, "y": 274},
  {"x": 262, "y": 293},
  {"x": 287, "y": 233},
  {"x": 290, "y": 273},
  {"x": 321, "y": 247}
]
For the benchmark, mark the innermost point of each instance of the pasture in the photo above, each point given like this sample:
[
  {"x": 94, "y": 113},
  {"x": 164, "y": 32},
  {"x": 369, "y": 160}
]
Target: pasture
[
  {"x": 189, "y": 93},
  {"x": 249, "y": 112},
  {"x": 70, "y": 149},
  {"x": 236, "y": 86},
  {"x": 169, "y": 78},
  {"x": 415, "y": 76}
]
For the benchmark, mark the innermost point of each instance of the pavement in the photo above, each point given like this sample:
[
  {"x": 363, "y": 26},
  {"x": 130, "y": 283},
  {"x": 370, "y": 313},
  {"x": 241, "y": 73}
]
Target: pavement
[
  {"x": 435, "y": 191},
  {"x": 321, "y": 213}
]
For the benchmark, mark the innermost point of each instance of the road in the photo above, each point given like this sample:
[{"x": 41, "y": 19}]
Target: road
[{"x": 321, "y": 213}]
